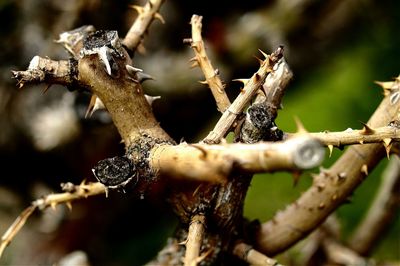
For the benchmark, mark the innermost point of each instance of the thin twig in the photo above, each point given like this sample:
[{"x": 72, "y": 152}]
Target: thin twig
[
  {"x": 252, "y": 256},
  {"x": 213, "y": 163},
  {"x": 251, "y": 87},
  {"x": 194, "y": 240},
  {"x": 74, "y": 192},
  {"x": 201, "y": 59},
  {"x": 342, "y": 255},
  {"x": 330, "y": 189},
  {"x": 146, "y": 15},
  {"x": 381, "y": 212}
]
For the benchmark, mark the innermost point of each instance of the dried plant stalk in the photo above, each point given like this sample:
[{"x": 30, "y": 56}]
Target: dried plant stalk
[
  {"x": 212, "y": 76},
  {"x": 194, "y": 240},
  {"x": 252, "y": 256}
]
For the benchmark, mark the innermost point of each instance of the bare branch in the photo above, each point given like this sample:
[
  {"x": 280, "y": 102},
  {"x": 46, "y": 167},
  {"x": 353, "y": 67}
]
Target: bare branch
[
  {"x": 330, "y": 189},
  {"x": 252, "y": 256},
  {"x": 146, "y": 15},
  {"x": 194, "y": 240},
  {"x": 46, "y": 70},
  {"x": 341, "y": 255},
  {"x": 251, "y": 87},
  {"x": 381, "y": 212},
  {"x": 74, "y": 192},
  {"x": 201, "y": 59},
  {"x": 213, "y": 163}
]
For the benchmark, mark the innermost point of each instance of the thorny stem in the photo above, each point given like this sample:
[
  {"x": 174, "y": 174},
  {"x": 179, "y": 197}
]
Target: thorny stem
[
  {"x": 74, "y": 192},
  {"x": 214, "y": 163},
  {"x": 381, "y": 212},
  {"x": 194, "y": 240},
  {"x": 330, "y": 189},
  {"x": 251, "y": 86},
  {"x": 201, "y": 59},
  {"x": 146, "y": 15}
]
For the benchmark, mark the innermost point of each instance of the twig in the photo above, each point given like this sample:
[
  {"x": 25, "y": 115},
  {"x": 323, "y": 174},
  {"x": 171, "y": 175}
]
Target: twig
[
  {"x": 242, "y": 100},
  {"x": 201, "y": 59},
  {"x": 74, "y": 192},
  {"x": 194, "y": 240},
  {"x": 252, "y": 256},
  {"x": 381, "y": 212},
  {"x": 341, "y": 255},
  {"x": 146, "y": 15},
  {"x": 213, "y": 163},
  {"x": 385, "y": 135},
  {"x": 330, "y": 189}
]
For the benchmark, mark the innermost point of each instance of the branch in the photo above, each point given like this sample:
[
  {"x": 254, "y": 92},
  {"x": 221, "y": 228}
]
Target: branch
[
  {"x": 381, "y": 212},
  {"x": 341, "y": 255},
  {"x": 73, "y": 192},
  {"x": 385, "y": 135},
  {"x": 41, "y": 69},
  {"x": 146, "y": 15},
  {"x": 252, "y": 256},
  {"x": 330, "y": 189},
  {"x": 194, "y": 240},
  {"x": 214, "y": 163},
  {"x": 251, "y": 87},
  {"x": 201, "y": 59}
]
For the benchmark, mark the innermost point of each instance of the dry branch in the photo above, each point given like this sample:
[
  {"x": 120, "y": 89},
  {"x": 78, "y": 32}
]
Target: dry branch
[
  {"x": 146, "y": 15},
  {"x": 252, "y": 256},
  {"x": 381, "y": 212},
  {"x": 330, "y": 189},
  {"x": 201, "y": 59},
  {"x": 214, "y": 163},
  {"x": 342, "y": 255},
  {"x": 73, "y": 192},
  {"x": 251, "y": 87},
  {"x": 194, "y": 240}
]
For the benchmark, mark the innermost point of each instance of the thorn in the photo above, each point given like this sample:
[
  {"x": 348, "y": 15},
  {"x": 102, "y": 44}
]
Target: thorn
[
  {"x": 385, "y": 84},
  {"x": 141, "y": 49},
  {"x": 46, "y": 88},
  {"x": 203, "y": 82},
  {"x": 361, "y": 142},
  {"x": 263, "y": 53},
  {"x": 69, "y": 205},
  {"x": 300, "y": 127},
  {"x": 387, "y": 143},
  {"x": 259, "y": 60},
  {"x": 364, "y": 169},
  {"x": 367, "y": 130},
  {"x": 94, "y": 105},
  {"x": 159, "y": 17},
  {"x": 244, "y": 81},
  {"x": 330, "y": 147},
  {"x": 132, "y": 71},
  {"x": 139, "y": 9},
  {"x": 151, "y": 99},
  {"x": 53, "y": 205},
  {"x": 142, "y": 77},
  {"x": 194, "y": 64},
  {"x": 102, "y": 53}
]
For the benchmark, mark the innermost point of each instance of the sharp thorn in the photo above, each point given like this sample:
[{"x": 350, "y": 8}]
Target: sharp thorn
[
  {"x": 367, "y": 130},
  {"x": 69, "y": 205},
  {"x": 132, "y": 71},
  {"x": 300, "y": 127},
  {"x": 244, "y": 81},
  {"x": 151, "y": 99},
  {"x": 103, "y": 57},
  {"x": 94, "y": 105},
  {"x": 330, "y": 147},
  {"x": 263, "y": 53},
  {"x": 385, "y": 84},
  {"x": 361, "y": 142},
  {"x": 387, "y": 143},
  {"x": 53, "y": 205},
  {"x": 194, "y": 64},
  {"x": 203, "y": 82},
  {"x": 364, "y": 169},
  {"x": 142, "y": 77},
  {"x": 139, "y": 9},
  {"x": 159, "y": 17}
]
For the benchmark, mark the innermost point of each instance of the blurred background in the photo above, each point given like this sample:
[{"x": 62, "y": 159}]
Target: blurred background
[{"x": 336, "y": 49}]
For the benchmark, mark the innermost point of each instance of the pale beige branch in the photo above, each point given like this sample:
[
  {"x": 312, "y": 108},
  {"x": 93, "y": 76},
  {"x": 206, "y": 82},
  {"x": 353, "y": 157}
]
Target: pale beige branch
[
  {"x": 342, "y": 255},
  {"x": 214, "y": 163},
  {"x": 201, "y": 59},
  {"x": 194, "y": 240},
  {"x": 73, "y": 192},
  {"x": 252, "y": 256},
  {"x": 381, "y": 212},
  {"x": 46, "y": 70},
  {"x": 251, "y": 86},
  {"x": 330, "y": 189},
  {"x": 146, "y": 15}
]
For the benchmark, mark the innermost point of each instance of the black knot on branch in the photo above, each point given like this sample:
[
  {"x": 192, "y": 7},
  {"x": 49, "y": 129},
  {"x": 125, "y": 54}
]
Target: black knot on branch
[{"x": 115, "y": 172}]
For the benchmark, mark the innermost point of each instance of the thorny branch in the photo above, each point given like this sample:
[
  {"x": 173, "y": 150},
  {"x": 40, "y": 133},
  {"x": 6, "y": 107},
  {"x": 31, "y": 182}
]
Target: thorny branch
[
  {"x": 73, "y": 192},
  {"x": 330, "y": 188},
  {"x": 201, "y": 59},
  {"x": 381, "y": 212},
  {"x": 252, "y": 256}
]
